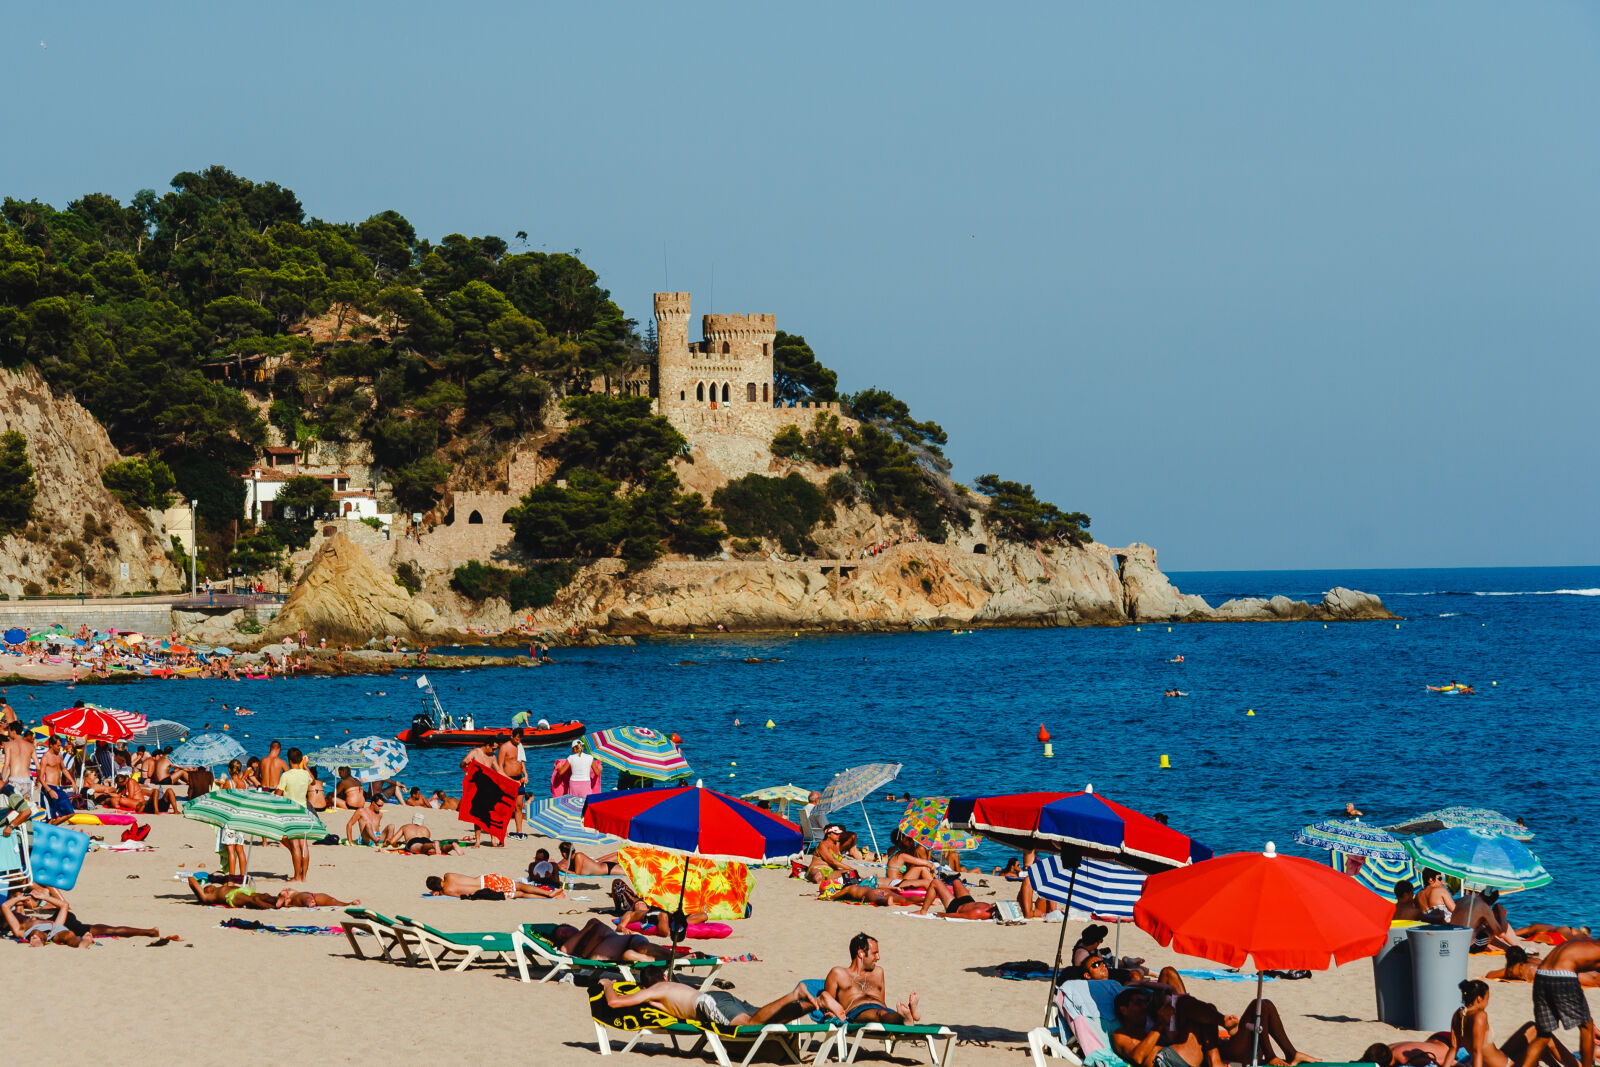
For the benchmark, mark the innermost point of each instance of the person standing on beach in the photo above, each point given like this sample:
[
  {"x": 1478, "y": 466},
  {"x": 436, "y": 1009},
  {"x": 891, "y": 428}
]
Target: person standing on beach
[
  {"x": 295, "y": 784},
  {"x": 1558, "y": 999},
  {"x": 580, "y": 767},
  {"x": 484, "y": 754},
  {"x": 8, "y": 714},
  {"x": 510, "y": 757},
  {"x": 272, "y": 768}
]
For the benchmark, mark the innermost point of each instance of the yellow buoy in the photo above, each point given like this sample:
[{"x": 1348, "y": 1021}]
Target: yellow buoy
[
  {"x": 1494, "y": 683},
  {"x": 1169, "y": 629},
  {"x": 1138, "y": 629},
  {"x": 770, "y": 724},
  {"x": 1165, "y": 764},
  {"x": 1397, "y": 626},
  {"x": 733, "y": 763},
  {"x": 1252, "y": 711}
]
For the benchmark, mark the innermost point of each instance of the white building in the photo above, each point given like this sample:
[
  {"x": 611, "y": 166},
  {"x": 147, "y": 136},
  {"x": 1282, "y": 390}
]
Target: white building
[{"x": 263, "y": 481}]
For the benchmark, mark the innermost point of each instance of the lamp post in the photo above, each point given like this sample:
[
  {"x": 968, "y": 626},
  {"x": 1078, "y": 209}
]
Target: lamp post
[{"x": 194, "y": 544}]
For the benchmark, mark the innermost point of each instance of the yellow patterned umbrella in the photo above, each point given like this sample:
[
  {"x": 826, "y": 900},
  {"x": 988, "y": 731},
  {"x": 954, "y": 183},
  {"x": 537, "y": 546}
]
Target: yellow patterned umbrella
[
  {"x": 924, "y": 823},
  {"x": 720, "y": 889}
]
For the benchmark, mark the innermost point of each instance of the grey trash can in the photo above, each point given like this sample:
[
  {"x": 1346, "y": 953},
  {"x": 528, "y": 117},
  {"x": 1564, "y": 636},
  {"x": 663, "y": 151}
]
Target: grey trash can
[
  {"x": 1391, "y": 978},
  {"x": 1438, "y": 967}
]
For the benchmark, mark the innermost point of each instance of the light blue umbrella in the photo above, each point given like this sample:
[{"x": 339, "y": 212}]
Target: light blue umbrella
[
  {"x": 1352, "y": 837},
  {"x": 382, "y": 757},
  {"x": 207, "y": 750},
  {"x": 854, "y": 786},
  {"x": 1479, "y": 858},
  {"x": 339, "y": 756},
  {"x": 160, "y": 732},
  {"x": 561, "y": 818},
  {"x": 1470, "y": 818}
]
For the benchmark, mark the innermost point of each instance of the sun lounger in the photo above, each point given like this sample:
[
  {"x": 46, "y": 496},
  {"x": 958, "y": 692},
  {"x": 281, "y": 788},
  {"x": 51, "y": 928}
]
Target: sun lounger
[
  {"x": 533, "y": 944},
  {"x": 939, "y": 1039},
  {"x": 438, "y": 946},
  {"x": 388, "y": 934},
  {"x": 638, "y": 1023}
]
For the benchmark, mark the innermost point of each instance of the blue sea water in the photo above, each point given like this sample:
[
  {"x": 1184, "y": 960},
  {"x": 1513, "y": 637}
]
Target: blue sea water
[{"x": 1341, "y": 712}]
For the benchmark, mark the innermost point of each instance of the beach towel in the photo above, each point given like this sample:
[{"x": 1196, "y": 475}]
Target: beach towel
[
  {"x": 487, "y": 800},
  {"x": 282, "y": 931},
  {"x": 721, "y": 889}
]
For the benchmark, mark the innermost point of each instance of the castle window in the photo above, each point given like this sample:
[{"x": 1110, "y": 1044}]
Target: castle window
[
  {"x": 724, "y": 392},
  {"x": 475, "y": 519},
  {"x": 750, "y": 392},
  {"x": 764, "y": 397},
  {"x": 725, "y": 351},
  {"x": 700, "y": 391},
  {"x": 680, "y": 395}
]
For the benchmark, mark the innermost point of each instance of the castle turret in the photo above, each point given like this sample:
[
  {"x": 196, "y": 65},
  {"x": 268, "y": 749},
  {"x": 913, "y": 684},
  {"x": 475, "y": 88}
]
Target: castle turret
[{"x": 673, "y": 373}]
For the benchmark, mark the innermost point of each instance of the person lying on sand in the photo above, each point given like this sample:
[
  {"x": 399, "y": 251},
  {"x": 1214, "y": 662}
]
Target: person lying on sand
[
  {"x": 597, "y": 941},
  {"x": 1548, "y": 934},
  {"x": 1521, "y": 965},
  {"x": 1470, "y": 1034},
  {"x": 714, "y": 1007},
  {"x": 487, "y": 887},
  {"x": 225, "y": 896},
  {"x": 40, "y": 914},
  {"x": 401, "y": 835},
  {"x": 859, "y": 988},
  {"x": 576, "y": 862},
  {"x": 653, "y": 920}
]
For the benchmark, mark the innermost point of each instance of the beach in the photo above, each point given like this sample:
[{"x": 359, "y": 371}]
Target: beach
[{"x": 257, "y": 998}]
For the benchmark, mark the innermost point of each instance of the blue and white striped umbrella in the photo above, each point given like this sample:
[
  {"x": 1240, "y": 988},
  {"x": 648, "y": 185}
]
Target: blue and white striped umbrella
[
  {"x": 1378, "y": 874},
  {"x": 1485, "y": 819},
  {"x": 1352, "y": 837},
  {"x": 380, "y": 757},
  {"x": 1102, "y": 887},
  {"x": 159, "y": 732},
  {"x": 207, "y": 750},
  {"x": 1479, "y": 858},
  {"x": 561, "y": 818}
]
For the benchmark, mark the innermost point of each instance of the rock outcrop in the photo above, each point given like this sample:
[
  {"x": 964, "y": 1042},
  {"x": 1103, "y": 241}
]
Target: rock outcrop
[
  {"x": 346, "y": 597},
  {"x": 69, "y": 450}
]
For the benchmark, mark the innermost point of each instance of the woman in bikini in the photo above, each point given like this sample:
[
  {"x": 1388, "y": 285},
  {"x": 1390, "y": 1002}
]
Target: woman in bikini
[
  {"x": 907, "y": 867},
  {"x": 1471, "y": 1038},
  {"x": 575, "y": 862}
]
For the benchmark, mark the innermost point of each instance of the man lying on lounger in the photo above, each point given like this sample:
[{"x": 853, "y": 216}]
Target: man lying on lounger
[
  {"x": 858, "y": 990},
  {"x": 237, "y": 896},
  {"x": 487, "y": 887},
  {"x": 597, "y": 941},
  {"x": 714, "y": 1007}
]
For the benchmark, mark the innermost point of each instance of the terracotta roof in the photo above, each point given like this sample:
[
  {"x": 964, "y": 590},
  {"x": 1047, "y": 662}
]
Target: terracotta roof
[
  {"x": 345, "y": 493},
  {"x": 281, "y": 450},
  {"x": 267, "y": 474}
]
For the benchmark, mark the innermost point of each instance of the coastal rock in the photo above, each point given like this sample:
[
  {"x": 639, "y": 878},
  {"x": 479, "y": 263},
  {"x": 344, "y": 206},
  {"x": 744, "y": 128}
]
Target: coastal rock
[
  {"x": 1148, "y": 596},
  {"x": 1342, "y": 603},
  {"x": 346, "y": 597}
]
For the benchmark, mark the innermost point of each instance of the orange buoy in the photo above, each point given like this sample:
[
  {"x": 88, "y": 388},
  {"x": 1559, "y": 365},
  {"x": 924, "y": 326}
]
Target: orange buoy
[{"x": 1044, "y": 735}]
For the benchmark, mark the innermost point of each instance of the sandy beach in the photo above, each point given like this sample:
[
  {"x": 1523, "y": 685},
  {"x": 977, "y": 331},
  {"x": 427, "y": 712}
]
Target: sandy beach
[{"x": 257, "y": 997}]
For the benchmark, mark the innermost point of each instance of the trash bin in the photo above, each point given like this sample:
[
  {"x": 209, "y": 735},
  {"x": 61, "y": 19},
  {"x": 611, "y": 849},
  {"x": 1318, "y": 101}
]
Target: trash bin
[
  {"x": 1391, "y": 978},
  {"x": 1438, "y": 967}
]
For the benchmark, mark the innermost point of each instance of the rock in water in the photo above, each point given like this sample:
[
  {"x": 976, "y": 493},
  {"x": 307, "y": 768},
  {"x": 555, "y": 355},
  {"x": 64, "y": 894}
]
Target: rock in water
[{"x": 345, "y": 596}]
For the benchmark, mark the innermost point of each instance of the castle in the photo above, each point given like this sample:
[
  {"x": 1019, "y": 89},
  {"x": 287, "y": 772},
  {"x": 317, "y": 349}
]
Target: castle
[{"x": 722, "y": 384}]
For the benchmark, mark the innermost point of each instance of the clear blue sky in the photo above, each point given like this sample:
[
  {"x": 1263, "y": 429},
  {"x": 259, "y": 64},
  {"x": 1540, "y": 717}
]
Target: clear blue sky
[{"x": 1264, "y": 285}]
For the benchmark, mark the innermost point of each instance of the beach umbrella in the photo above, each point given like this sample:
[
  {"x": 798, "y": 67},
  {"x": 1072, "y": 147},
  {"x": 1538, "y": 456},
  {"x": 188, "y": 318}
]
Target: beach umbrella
[
  {"x": 1351, "y": 837},
  {"x": 1098, "y": 888},
  {"x": 53, "y": 631},
  {"x": 1285, "y": 912},
  {"x": 159, "y": 733},
  {"x": 924, "y": 822},
  {"x": 222, "y": 650},
  {"x": 133, "y": 720},
  {"x": 561, "y": 818},
  {"x": 264, "y": 815},
  {"x": 207, "y": 750},
  {"x": 720, "y": 888},
  {"x": 381, "y": 757},
  {"x": 1468, "y": 818},
  {"x": 694, "y": 822},
  {"x": 15, "y": 636},
  {"x": 1377, "y": 874},
  {"x": 781, "y": 795},
  {"x": 640, "y": 751},
  {"x": 91, "y": 724},
  {"x": 339, "y": 756},
  {"x": 854, "y": 786},
  {"x": 1479, "y": 858}
]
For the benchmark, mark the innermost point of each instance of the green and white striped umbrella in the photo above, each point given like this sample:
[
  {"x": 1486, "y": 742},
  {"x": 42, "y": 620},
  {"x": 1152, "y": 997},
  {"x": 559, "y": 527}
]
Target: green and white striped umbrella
[
  {"x": 1479, "y": 858},
  {"x": 264, "y": 815}
]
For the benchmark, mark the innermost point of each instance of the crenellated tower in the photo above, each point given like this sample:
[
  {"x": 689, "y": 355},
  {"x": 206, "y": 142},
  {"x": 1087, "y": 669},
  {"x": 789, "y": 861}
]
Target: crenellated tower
[{"x": 672, "y": 350}]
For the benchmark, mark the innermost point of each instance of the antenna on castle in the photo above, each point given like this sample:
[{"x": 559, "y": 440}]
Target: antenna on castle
[
  {"x": 711, "y": 301},
  {"x": 666, "y": 276}
]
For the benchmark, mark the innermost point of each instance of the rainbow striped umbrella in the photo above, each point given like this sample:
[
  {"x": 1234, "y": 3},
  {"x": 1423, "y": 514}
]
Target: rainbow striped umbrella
[
  {"x": 641, "y": 751},
  {"x": 924, "y": 822}
]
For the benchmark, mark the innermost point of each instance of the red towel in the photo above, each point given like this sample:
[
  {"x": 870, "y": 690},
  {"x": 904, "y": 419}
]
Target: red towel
[{"x": 487, "y": 800}]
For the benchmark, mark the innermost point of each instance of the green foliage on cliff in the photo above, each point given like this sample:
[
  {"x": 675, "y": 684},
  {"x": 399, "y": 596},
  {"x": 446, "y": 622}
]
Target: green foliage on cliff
[
  {"x": 824, "y": 444},
  {"x": 617, "y": 437},
  {"x": 796, "y": 374},
  {"x": 140, "y": 483},
  {"x": 533, "y": 587},
  {"x": 302, "y": 500},
  {"x": 785, "y": 509},
  {"x": 1017, "y": 515},
  {"x": 17, "y": 489}
]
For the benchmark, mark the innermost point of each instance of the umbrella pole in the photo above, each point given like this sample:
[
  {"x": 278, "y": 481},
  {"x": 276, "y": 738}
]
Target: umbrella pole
[
  {"x": 1255, "y": 1044},
  {"x": 672, "y": 927},
  {"x": 1061, "y": 943},
  {"x": 870, "y": 834}
]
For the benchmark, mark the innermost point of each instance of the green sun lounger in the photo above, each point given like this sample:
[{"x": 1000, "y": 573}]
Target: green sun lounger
[
  {"x": 389, "y": 935},
  {"x": 637, "y": 1023},
  {"x": 939, "y": 1039},
  {"x": 533, "y": 944},
  {"x": 438, "y": 946}
]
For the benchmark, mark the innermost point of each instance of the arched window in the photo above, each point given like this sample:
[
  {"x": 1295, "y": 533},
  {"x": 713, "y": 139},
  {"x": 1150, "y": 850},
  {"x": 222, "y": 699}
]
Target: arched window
[
  {"x": 700, "y": 391},
  {"x": 475, "y": 519},
  {"x": 724, "y": 392},
  {"x": 750, "y": 392},
  {"x": 764, "y": 397},
  {"x": 725, "y": 351},
  {"x": 766, "y": 350},
  {"x": 680, "y": 394}
]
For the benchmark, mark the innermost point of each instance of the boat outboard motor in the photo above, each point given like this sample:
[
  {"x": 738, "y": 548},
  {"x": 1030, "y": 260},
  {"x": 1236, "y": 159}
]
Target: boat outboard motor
[{"x": 422, "y": 724}]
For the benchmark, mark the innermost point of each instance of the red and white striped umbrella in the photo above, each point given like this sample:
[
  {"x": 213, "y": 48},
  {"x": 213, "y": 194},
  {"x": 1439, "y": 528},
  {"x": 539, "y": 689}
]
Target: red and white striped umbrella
[
  {"x": 131, "y": 719},
  {"x": 91, "y": 724}
]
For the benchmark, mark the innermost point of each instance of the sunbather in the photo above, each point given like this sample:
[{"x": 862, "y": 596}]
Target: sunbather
[
  {"x": 365, "y": 825},
  {"x": 289, "y": 898},
  {"x": 1235, "y": 1038},
  {"x": 1144, "y": 1032},
  {"x": 653, "y": 920},
  {"x": 39, "y": 913},
  {"x": 597, "y": 941},
  {"x": 867, "y": 894},
  {"x": 826, "y": 859},
  {"x": 232, "y": 896},
  {"x": 487, "y": 887},
  {"x": 401, "y": 835},
  {"x": 714, "y": 1007},
  {"x": 575, "y": 862},
  {"x": 858, "y": 989},
  {"x": 1470, "y": 1034}
]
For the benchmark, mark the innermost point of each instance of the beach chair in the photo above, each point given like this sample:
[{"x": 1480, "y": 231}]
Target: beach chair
[
  {"x": 438, "y": 946},
  {"x": 792, "y": 1039},
  {"x": 532, "y": 944},
  {"x": 1053, "y": 1039},
  {"x": 939, "y": 1039},
  {"x": 15, "y": 872},
  {"x": 389, "y": 935}
]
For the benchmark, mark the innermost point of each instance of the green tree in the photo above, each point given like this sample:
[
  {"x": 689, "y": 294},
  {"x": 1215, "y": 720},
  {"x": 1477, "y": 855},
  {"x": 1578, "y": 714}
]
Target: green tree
[
  {"x": 1017, "y": 515},
  {"x": 296, "y": 508},
  {"x": 417, "y": 486},
  {"x": 785, "y": 509},
  {"x": 789, "y": 443},
  {"x": 892, "y": 414},
  {"x": 17, "y": 488},
  {"x": 825, "y": 441},
  {"x": 796, "y": 374},
  {"x": 617, "y": 437},
  {"x": 256, "y": 552},
  {"x": 139, "y": 482}
]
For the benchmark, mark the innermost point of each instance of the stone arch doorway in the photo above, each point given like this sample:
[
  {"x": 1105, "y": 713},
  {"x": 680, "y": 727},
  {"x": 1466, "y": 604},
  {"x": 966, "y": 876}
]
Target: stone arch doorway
[
  {"x": 700, "y": 391},
  {"x": 475, "y": 519}
]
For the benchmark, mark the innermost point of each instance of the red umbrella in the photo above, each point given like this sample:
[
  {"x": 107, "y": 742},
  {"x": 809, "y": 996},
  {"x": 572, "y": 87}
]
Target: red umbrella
[
  {"x": 91, "y": 724},
  {"x": 1283, "y": 911}
]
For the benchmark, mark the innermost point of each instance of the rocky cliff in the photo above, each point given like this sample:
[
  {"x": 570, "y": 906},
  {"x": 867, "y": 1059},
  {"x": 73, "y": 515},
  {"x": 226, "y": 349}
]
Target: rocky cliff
[
  {"x": 345, "y": 597},
  {"x": 76, "y": 520}
]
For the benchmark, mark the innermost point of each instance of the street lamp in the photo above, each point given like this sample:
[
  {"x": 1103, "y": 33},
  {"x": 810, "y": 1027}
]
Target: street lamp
[{"x": 194, "y": 545}]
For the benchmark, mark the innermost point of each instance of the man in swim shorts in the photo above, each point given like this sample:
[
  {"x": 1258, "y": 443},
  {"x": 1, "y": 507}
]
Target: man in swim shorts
[
  {"x": 365, "y": 826},
  {"x": 490, "y": 886},
  {"x": 712, "y": 1007},
  {"x": 597, "y": 941},
  {"x": 1558, "y": 1000},
  {"x": 858, "y": 989}
]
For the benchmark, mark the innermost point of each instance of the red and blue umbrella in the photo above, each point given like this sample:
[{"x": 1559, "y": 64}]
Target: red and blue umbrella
[
  {"x": 693, "y": 821},
  {"x": 1083, "y": 822}
]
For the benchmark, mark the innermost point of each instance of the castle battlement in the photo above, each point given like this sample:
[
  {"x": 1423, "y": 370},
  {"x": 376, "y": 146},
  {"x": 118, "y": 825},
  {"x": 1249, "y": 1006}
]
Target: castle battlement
[
  {"x": 748, "y": 327},
  {"x": 672, "y": 304}
]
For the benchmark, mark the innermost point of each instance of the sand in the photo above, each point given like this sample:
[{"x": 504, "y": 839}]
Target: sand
[{"x": 257, "y": 998}]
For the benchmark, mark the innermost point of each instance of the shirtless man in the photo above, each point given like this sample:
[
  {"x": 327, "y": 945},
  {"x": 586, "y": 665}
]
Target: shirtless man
[
  {"x": 133, "y": 797},
  {"x": 400, "y": 835},
  {"x": 858, "y": 989},
  {"x": 504, "y": 886},
  {"x": 1558, "y": 1000},
  {"x": 18, "y": 760},
  {"x": 368, "y": 821},
  {"x": 1405, "y": 901},
  {"x": 826, "y": 859},
  {"x": 1143, "y": 1023},
  {"x": 443, "y": 801},
  {"x": 597, "y": 941},
  {"x": 575, "y": 862},
  {"x": 713, "y": 1007},
  {"x": 415, "y": 799},
  {"x": 55, "y": 780},
  {"x": 484, "y": 754},
  {"x": 272, "y": 767},
  {"x": 508, "y": 761}
]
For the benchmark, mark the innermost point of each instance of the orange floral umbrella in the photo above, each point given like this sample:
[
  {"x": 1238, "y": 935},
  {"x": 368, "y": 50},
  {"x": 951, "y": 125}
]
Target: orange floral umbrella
[{"x": 721, "y": 889}]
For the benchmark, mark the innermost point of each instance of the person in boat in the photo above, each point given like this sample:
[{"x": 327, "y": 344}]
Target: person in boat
[{"x": 575, "y": 862}]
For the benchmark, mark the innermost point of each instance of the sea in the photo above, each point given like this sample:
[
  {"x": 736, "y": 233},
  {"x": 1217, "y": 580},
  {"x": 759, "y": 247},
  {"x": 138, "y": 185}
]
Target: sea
[{"x": 1342, "y": 712}]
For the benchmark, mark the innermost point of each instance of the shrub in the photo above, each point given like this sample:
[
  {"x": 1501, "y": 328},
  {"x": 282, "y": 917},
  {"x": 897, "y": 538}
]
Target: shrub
[
  {"x": 747, "y": 545},
  {"x": 789, "y": 443},
  {"x": 249, "y": 626},
  {"x": 785, "y": 509},
  {"x": 535, "y": 587},
  {"x": 17, "y": 488},
  {"x": 32, "y": 589},
  {"x": 840, "y": 489},
  {"x": 140, "y": 483},
  {"x": 1017, "y": 515},
  {"x": 825, "y": 441},
  {"x": 479, "y": 581},
  {"x": 407, "y": 577},
  {"x": 372, "y": 521}
]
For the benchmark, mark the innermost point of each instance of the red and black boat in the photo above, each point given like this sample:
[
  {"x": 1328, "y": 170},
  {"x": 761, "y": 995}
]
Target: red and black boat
[{"x": 434, "y": 726}]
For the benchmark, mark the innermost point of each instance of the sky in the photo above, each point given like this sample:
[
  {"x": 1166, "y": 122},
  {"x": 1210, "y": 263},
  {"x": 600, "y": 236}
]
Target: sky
[{"x": 1262, "y": 285}]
